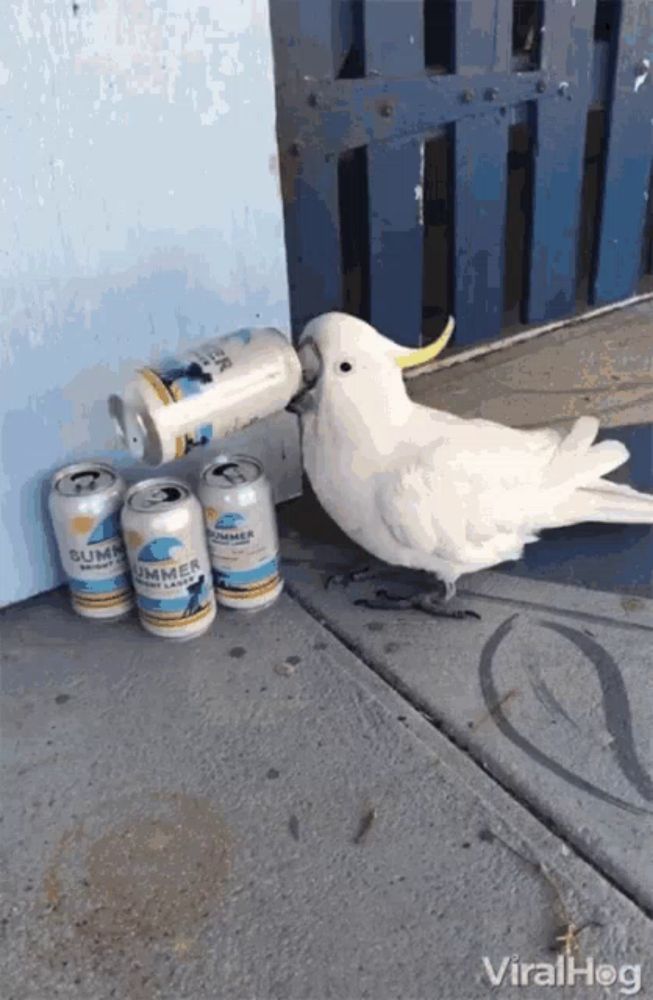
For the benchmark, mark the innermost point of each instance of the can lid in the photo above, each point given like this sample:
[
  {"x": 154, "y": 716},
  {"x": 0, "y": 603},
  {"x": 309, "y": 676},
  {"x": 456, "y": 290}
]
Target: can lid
[
  {"x": 232, "y": 470},
  {"x": 84, "y": 479},
  {"x": 136, "y": 431},
  {"x": 117, "y": 414},
  {"x": 153, "y": 495}
]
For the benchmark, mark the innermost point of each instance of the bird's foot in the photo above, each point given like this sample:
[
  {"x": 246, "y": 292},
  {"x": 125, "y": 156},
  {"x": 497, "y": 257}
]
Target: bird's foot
[
  {"x": 429, "y": 604},
  {"x": 353, "y": 576}
]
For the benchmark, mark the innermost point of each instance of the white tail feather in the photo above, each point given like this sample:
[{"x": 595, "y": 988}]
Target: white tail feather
[
  {"x": 579, "y": 464},
  {"x": 620, "y": 504}
]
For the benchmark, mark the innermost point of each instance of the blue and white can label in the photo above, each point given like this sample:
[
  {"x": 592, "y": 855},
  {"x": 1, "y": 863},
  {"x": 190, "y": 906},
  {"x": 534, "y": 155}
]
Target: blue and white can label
[
  {"x": 241, "y": 530},
  {"x": 170, "y": 567},
  {"x": 85, "y": 506}
]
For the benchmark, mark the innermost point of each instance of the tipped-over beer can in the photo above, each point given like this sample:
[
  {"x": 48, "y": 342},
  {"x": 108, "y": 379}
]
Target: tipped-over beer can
[
  {"x": 241, "y": 528},
  {"x": 85, "y": 501},
  {"x": 166, "y": 545},
  {"x": 217, "y": 389}
]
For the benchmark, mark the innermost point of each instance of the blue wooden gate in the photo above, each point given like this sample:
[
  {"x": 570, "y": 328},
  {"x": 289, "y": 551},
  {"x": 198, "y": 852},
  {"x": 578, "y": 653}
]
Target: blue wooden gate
[{"x": 370, "y": 83}]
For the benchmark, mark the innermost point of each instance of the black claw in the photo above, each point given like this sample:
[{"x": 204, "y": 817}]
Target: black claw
[
  {"x": 387, "y": 596},
  {"x": 357, "y": 575},
  {"x": 426, "y": 603},
  {"x": 382, "y": 604},
  {"x": 344, "y": 579}
]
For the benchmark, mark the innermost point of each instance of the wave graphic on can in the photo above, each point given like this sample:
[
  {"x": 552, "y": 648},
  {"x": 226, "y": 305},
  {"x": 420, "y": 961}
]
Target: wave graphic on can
[
  {"x": 246, "y": 584},
  {"x": 85, "y": 500}
]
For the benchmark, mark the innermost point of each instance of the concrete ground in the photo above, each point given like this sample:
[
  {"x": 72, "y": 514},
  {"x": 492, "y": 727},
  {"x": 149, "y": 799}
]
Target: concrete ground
[{"x": 320, "y": 801}]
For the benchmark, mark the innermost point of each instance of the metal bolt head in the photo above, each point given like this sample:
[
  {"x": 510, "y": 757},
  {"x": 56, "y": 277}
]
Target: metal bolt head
[
  {"x": 642, "y": 67},
  {"x": 386, "y": 109},
  {"x": 563, "y": 88},
  {"x": 491, "y": 94},
  {"x": 467, "y": 96},
  {"x": 540, "y": 86}
]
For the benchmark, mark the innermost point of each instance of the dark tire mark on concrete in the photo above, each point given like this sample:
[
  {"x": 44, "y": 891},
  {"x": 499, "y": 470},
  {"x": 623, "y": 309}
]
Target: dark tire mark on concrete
[
  {"x": 491, "y": 697},
  {"x": 618, "y": 718},
  {"x": 546, "y": 697}
]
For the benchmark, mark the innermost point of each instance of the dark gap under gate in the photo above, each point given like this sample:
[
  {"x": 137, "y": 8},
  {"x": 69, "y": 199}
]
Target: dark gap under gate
[
  {"x": 437, "y": 293},
  {"x": 519, "y": 208},
  {"x": 353, "y": 208},
  {"x": 593, "y": 174}
]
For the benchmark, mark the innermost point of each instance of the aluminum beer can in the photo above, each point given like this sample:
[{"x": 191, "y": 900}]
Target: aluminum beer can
[
  {"x": 164, "y": 533},
  {"x": 241, "y": 528},
  {"x": 227, "y": 383},
  {"x": 85, "y": 501}
]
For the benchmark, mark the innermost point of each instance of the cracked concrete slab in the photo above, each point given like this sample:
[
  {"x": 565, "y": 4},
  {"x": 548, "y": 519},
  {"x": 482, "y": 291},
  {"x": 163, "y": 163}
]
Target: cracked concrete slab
[
  {"x": 551, "y": 689},
  {"x": 257, "y": 815}
]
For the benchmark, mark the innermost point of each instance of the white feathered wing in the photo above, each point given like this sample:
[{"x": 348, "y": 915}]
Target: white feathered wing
[{"x": 473, "y": 492}]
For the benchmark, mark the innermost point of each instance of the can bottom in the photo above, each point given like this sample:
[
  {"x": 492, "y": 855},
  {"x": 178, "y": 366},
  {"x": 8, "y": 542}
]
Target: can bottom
[
  {"x": 241, "y": 602},
  {"x": 102, "y": 614},
  {"x": 184, "y": 632}
]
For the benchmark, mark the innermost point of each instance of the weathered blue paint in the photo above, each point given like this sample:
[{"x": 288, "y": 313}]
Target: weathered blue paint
[
  {"x": 141, "y": 211},
  {"x": 483, "y": 38},
  {"x": 394, "y": 47},
  {"x": 483, "y": 43},
  {"x": 350, "y": 113},
  {"x": 567, "y": 49},
  {"x": 628, "y": 158},
  {"x": 304, "y": 38},
  {"x": 396, "y": 105},
  {"x": 313, "y": 235},
  {"x": 395, "y": 184},
  {"x": 480, "y": 157},
  {"x": 394, "y": 37},
  {"x": 316, "y": 35}
]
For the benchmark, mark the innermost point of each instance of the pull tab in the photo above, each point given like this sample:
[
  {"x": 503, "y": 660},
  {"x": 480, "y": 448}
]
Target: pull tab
[
  {"x": 90, "y": 474},
  {"x": 234, "y": 478}
]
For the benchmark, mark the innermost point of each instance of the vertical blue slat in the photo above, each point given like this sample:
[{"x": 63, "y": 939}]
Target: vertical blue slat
[
  {"x": 394, "y": 37},
  {"x": 483, "y": 36},
  {"x": 480, "y": 158},
  {"x": 313, "y": 53},
  {"x": 310, "y": 177},
  {"x": 313, "y": 237},
  {"x": 628, "y": 159},
  {"x": 395, "y": 186},
  {"x": 558, "y": 161},
  {"x": 303, "y": 34},
  {"x": 394, "y": 46}
]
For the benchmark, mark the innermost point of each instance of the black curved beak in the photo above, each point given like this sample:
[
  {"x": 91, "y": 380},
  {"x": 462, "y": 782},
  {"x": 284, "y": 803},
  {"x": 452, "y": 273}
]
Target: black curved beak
[{"x": 311, "y": 362}]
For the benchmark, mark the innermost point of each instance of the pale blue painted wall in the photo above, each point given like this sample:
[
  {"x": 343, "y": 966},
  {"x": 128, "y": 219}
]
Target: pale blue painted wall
[{"x": 140, "y": 208}]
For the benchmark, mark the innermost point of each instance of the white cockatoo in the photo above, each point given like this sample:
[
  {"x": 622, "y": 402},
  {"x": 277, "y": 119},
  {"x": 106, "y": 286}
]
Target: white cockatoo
[{"x": 421, "y": 488}]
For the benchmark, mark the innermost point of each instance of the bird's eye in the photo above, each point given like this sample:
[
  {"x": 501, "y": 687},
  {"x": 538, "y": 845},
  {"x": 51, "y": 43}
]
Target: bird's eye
[{"x": 345, "y": 366}]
